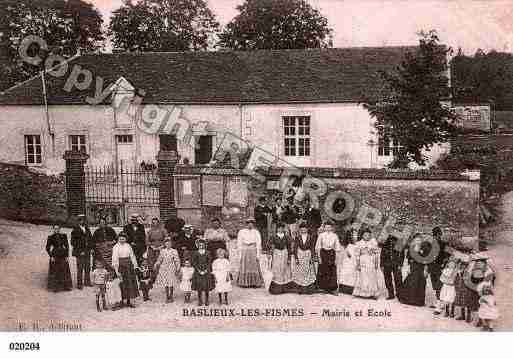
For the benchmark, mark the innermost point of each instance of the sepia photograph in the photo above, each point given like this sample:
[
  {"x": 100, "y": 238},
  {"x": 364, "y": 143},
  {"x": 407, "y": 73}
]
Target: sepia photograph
[{"x": 255, "y": 166}]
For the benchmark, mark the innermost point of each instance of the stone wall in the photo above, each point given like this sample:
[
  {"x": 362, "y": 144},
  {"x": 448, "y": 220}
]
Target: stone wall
[
  {"x": 420, "y": 199},
  {"x": 29, "y": 196}
]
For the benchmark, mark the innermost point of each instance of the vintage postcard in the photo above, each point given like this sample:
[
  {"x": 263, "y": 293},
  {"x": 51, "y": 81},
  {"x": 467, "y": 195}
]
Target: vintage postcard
[{"x": 256, "y": 165}]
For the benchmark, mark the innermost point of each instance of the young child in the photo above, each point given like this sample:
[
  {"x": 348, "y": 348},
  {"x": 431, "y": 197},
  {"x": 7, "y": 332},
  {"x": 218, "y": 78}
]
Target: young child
[
  {"x": 221, "y": 270},
  {"x": 168, "y": 267},
  {"x": 144, "y": 274},
  {"x": 99, "y": 280},
  {"x": 113, "y": 292},
  {"x": 202, "y": 279},
  {"x": 448, "y": 292},
  {"x": 487, "y": 306},
  {"x": 186, "y": 283}
]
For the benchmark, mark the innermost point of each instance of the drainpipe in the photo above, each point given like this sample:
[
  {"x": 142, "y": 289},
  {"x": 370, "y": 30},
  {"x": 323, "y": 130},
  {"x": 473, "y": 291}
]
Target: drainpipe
[
  {"x": 240, "y": 121},
  {"x": 47, "y": 112}
]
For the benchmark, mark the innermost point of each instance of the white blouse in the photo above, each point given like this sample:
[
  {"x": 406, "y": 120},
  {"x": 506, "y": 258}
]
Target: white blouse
[
  {"x": 219, "y": 234},
  {"x": 122, "y": 251},
  {"x": 247, "y": 237},
  {"x": 327, "y": 240}
]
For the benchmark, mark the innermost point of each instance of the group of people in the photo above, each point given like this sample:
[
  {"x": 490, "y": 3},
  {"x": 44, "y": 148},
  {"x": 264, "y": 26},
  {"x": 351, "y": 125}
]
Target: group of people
[
  {"x": 305, "y": 256},
  {"x": 135, "y": 260}
]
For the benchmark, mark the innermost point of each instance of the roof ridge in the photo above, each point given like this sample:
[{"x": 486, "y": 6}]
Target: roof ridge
[{"x": 145, "y": 53}]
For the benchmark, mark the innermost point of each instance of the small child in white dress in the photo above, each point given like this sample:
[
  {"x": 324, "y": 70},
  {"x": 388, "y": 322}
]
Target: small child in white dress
[
  {"x": 487, "y": 306},
  {"x": 448, "y": 291},
  {"x": 221, "y": 271},
  {"x": 186, "y": 283},
  {"x": 113, "y": 292}
]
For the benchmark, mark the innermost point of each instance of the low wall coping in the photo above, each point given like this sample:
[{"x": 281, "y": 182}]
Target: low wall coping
[{"x": 344, "y": 173}]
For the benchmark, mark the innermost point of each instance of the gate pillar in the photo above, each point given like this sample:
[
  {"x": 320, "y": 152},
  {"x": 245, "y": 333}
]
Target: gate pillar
[
  {"x": 167, "y": 161},
  {"x": 75, "y": 182}
]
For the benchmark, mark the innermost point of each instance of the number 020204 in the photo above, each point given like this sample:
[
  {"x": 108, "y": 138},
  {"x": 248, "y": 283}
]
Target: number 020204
[{"x": 24, "y": 346}]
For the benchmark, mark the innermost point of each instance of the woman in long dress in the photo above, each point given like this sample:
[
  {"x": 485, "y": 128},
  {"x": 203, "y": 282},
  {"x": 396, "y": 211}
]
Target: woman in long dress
[
  {"x": 347, "y": 273},
  {"x": 326, "y": 248},
  {"x": 367, "y": 267},
  {"x": 124, "y": 263},
  {"x": 280, "y": 261},
  {"x": 167, "y": 266},
  {"x": 249, "y": 244},
  {"x": 413, "y": 291},
  {"x": 155, "y": 241},
  {"x": 217, "y": 238},
  {"x": 303, "y": 254},
  {"x": 59, "y": 275}
]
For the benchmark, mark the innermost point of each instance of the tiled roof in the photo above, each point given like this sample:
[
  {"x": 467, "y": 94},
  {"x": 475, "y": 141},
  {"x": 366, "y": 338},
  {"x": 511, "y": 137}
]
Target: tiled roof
[{"x": 263, "y": 76}]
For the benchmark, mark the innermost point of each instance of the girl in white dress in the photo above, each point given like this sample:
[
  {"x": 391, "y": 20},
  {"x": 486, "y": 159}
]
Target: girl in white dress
[
  {"x": 367, "y": 267},
  {"x": 487, "y": 306},
  {"x": 168, "y": 267},
  {"x": 186, "y": 283},
  {"x": 221, "y": 271}
]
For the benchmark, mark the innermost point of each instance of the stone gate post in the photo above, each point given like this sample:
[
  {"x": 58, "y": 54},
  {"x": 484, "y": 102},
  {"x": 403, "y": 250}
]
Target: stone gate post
[
  {"x": 75, "y": 182},
  {"x": 167, "y": 161}
]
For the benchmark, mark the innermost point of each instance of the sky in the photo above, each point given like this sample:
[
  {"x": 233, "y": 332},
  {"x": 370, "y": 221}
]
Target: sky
[{"x": 466, "y": 24}]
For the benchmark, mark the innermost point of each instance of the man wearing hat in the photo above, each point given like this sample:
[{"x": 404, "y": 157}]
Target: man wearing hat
[
  {"x": 263, "y": 218},
  {"x": 186, "y": 241},
  {"x": 104, "y": 238},
  {"x": 82, "y": 243},
  {"x": 136, "y": 236}
]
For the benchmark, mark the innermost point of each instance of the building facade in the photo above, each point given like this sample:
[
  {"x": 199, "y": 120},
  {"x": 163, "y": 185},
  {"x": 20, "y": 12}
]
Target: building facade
[{"x": 303, "y": 106}]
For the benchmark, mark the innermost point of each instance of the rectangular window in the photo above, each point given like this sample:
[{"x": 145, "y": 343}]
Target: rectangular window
[
  {"x": 77, "y": 143},
  {"x": 296, "y": 135},
  {"x": 386, "y": 146},
  {"x": 203, "y": 150},
  {"x": 124, "y": 138},
  {"x": 33, "y": 150},
  {"x": 168, "y": 143}
]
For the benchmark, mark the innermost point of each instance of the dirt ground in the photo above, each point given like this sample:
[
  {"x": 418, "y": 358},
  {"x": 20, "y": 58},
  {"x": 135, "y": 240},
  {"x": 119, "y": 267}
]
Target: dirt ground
[{"x": 25, "y": 304}]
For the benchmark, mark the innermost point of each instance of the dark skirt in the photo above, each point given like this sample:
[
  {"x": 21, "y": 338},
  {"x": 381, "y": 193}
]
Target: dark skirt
[
  {"x": 250, "y": 274},
  {"x": 327, "y": 274},
  {"x": 153, "y": 255},
  {"x": 266, "y": 239},
  {"x": 213, "y": 246},
  {"x": 346, "y": 289},
  {"x": 103, "y": 253},
  {"x": 465, "y": 296},
  {"x": 59, "y": 275},
  {"x": 276, "y": 288},
  {"x": 413, "y": 291},
  {"x": 205, "y": 282},
  {"x": 129, "y": 289}
]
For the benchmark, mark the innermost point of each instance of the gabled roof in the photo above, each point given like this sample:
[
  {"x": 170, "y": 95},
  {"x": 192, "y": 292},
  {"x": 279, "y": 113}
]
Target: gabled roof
[{"x": 263, "y": 76}]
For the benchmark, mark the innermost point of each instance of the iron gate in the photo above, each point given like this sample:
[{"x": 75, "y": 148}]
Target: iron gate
[{"x": 116, "y": 193}]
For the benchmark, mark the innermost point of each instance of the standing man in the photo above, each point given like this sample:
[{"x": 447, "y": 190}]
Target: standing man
[
  {"x": 391, "y": 261},
  {"x": 263, "y": 218},
  {"x": 104, "y": 239},
  {"x": 155, "y": 241},
  {"x": 82, "y": 243},
  {"x": 435, "y": 267},
  {"x": 136, "y": 236},
  {"x": 312, "y": 217},
  {"x": 174, "y": 225},
  {"x": 185, "y": 242}
]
